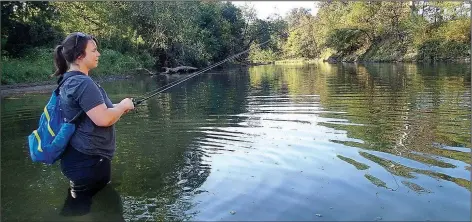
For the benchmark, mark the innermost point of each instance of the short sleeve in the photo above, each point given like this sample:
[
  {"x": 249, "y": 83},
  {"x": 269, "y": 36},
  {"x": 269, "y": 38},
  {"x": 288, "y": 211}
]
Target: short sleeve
[{"x": 87, "y": 94}]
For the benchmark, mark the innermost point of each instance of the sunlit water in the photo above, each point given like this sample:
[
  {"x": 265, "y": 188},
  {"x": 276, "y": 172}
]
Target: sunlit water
[{"x": 317, "y": 142}]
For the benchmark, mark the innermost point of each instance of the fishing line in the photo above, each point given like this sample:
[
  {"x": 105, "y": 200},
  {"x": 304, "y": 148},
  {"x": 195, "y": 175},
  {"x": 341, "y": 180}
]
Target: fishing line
[{"x": 398, "y": 186}]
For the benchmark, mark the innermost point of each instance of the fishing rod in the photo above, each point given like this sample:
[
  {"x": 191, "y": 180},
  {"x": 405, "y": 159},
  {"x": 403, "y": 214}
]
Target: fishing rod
[{"x": 161, "y": 89}]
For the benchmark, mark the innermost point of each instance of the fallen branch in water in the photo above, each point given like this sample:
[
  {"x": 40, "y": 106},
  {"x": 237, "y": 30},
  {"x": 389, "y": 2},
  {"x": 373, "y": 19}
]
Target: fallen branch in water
[{"x": 178, "y": 69}]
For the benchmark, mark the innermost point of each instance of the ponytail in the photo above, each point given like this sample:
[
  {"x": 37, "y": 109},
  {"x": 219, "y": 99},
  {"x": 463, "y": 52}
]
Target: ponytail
[{"x": 59, "y": 61}]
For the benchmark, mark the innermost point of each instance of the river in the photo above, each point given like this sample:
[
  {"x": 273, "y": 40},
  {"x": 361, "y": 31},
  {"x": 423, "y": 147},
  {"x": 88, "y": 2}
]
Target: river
[{"x": 293, "y": 142}]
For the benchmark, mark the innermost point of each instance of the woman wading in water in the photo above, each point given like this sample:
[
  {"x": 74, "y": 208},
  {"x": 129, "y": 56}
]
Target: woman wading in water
[{"x": 86, "y": 161}]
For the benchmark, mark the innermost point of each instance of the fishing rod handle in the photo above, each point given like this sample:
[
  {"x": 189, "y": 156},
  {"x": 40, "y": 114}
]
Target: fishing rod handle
[{"x": 136, "y": 102}]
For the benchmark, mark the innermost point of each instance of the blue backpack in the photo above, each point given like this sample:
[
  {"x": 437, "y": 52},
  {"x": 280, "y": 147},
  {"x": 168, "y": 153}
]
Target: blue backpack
[{"x": 49, "y": 140}]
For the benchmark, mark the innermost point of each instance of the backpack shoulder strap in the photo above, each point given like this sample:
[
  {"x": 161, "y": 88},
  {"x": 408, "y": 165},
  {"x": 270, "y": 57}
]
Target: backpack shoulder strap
[
  {"x": 65, "y": 77},
  {"x": 61, "y": 82}
]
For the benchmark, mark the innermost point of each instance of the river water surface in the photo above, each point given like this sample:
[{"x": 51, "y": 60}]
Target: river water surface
[{"x": 300, "y": 142}]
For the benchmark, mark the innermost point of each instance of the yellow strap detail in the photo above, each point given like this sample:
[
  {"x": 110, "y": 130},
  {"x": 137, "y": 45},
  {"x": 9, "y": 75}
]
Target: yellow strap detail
[
  {"x": 46, "y": 113},
  {"x": 39, "y": 140}
]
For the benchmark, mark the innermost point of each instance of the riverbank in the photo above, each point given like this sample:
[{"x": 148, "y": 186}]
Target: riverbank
[
  {"x": 392, "y": 49},
  {"x": 334, "y": 61},
  {"x": 341, "y": 60},
  {"x": 408, "y": 58},
  {"x": 47, "y": 86}
]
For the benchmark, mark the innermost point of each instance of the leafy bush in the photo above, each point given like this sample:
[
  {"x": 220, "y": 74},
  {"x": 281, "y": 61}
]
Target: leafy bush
[
  {"x": 346, "y": 40},
  {"x": 454, "y": 49},
  {"x": 262, "y": 55},
  {"x": 37, "y": 65},
  {"x": 113, "y": 62},
  {"x": 440, "y": 49}
]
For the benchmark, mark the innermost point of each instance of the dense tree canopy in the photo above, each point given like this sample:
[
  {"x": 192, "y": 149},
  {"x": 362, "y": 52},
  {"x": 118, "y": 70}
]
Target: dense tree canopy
[{"x": 200, "y": 33}]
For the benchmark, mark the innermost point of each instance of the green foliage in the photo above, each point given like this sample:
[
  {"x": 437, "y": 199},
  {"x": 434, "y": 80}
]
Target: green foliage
[
  {"x": 417, "y": 27},
  {"x": 389, "y": 31},
  {"x": 435, "y": 49},
  {"x": 301, "y": 44},
  {"x": 301, "y": 41},
  {"x": 36, "y": 65},
  {"x": 453, "y": 49},
  {"x": 364, "y": 16},
  {"x": 380, "y": 31},
  {"x": 160, "y": 33},
  {"x": 389, "y": 49},
  {"x": 258, "y": 55},
  {"x": 26, "y": 25},
  {"x": 114, "y": 62},
  {"x": 346, "y": 40},
  {"x": 456, "y": 30}
]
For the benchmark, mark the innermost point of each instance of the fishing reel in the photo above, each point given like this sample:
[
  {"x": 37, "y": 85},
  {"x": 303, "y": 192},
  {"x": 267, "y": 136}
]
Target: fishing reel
[{"x": 136, "y": 103}]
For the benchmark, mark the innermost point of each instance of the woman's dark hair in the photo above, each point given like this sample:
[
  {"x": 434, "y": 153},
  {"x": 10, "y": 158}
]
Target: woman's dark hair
[{"x": 69, "y": 50}]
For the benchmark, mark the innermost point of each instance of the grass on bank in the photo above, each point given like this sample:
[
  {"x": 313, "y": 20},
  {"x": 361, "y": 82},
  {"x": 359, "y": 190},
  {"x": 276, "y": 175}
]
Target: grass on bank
[{"x": 38, "y": 65}]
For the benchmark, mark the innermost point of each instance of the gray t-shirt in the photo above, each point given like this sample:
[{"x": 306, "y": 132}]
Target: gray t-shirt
[{"x": 80, "y": 92}]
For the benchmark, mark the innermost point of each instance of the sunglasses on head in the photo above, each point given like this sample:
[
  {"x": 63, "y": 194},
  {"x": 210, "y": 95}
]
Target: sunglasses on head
[{"x": 78, "y": 34}]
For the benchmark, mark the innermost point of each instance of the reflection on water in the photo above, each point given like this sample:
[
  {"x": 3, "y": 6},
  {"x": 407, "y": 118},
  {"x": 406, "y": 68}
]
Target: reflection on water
[{"x": 317, "y": 142}]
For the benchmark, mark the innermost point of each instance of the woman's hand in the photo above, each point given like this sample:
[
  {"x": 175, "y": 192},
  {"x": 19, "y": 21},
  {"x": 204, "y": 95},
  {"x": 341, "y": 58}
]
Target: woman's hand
[{"x": 128, "y": 104}]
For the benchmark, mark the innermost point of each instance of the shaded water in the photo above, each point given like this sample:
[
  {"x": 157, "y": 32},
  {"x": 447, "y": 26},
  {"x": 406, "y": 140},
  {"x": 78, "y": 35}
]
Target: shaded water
[{"x": 317, "y": 142}]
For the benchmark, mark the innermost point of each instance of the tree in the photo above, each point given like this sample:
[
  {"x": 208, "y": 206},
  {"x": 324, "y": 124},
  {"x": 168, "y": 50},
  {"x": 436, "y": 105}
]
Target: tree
[{"x": 26, "y": 25}]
